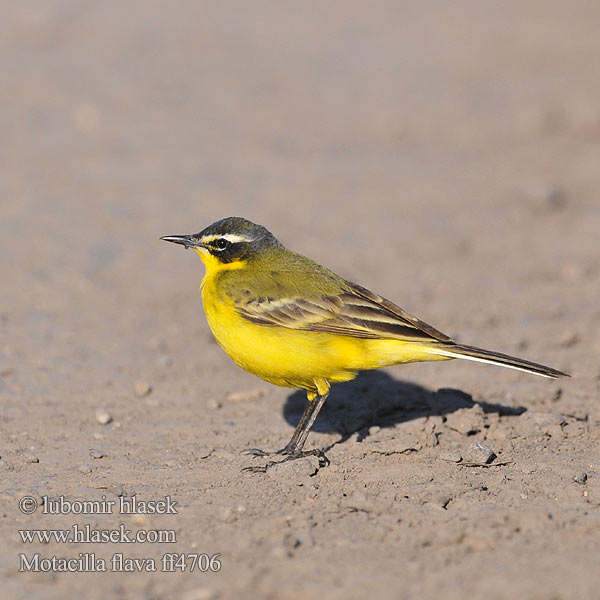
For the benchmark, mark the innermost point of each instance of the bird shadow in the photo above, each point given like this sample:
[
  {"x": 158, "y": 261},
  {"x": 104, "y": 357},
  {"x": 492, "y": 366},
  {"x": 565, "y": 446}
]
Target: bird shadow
[{"x": 376, "y": 398}]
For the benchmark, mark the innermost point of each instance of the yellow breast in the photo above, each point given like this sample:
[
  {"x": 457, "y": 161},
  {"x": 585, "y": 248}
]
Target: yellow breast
[{"x": 290, "y": 357}]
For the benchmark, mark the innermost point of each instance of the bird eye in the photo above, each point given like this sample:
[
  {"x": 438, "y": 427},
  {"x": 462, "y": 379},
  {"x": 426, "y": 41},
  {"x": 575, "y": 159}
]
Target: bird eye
[{"x": 221, "y": 243}]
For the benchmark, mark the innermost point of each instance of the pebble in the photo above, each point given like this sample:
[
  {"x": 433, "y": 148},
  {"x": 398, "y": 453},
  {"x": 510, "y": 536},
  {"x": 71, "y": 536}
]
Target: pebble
[
  {"x": 142, "y": 388},
  {"x": 227, "y": 515},
  {"x": 94, "y": 453},
  {"x": 103, "y": 417},
  {"x": 450, "y": 456},
  {"x": 298, "y": 469},
  {"x": 439, "y": 498},
  {"x": 30, "y": 458},
  {"x": 479, "y": 454},
  {"x": 580, "y": 478},
  {"x": 213, "y": 404},
  {"x": 117, "y": 490},
  {"x": 84, "y": 469}
]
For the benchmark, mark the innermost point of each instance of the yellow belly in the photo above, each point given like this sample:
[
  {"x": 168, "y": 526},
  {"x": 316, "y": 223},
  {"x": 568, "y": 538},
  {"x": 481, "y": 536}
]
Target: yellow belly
[{"x": 297, "y": 359}]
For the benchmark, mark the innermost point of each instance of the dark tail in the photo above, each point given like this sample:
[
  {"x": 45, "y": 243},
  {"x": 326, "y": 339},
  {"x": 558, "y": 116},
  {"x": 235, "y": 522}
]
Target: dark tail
[{"x": 495, "y": 358}]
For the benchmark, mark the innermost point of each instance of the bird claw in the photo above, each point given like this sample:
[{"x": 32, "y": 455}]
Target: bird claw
[
  {"x": 256, "y": 452},
  {"x": 323, "y": 460}
]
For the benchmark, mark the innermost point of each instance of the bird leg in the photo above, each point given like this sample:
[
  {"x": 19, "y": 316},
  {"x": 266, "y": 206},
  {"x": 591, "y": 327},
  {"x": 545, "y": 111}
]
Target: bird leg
[{"x": 293, "y": 449}]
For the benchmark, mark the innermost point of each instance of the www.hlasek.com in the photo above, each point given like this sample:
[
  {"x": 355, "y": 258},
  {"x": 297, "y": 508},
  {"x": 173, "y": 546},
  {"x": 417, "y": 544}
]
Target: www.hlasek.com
[
  {"x": 169, "y": 562},
  {"x": 86, "y": 534}
]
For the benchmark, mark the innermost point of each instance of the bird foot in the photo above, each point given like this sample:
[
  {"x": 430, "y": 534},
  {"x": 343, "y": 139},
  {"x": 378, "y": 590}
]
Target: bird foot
[
  {"x": 259, "y": 452},
  {"x": 323, "y": 460},
  {"x": 289, "y": 449}
]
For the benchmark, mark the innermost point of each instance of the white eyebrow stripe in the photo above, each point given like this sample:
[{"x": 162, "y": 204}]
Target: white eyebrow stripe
[{"x": 230, "y": 237}]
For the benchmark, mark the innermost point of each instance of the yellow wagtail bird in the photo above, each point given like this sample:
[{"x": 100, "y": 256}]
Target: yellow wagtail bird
[{"x": 294, "y": 323}]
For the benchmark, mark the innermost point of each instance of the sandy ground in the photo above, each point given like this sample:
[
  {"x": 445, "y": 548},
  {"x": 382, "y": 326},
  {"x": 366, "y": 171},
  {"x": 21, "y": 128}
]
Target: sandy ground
[{"x": 445, "y": 155}]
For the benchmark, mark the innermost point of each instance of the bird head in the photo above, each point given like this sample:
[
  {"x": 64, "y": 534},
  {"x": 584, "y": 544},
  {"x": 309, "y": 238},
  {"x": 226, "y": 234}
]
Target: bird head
[{"x": 228, "y": 241}]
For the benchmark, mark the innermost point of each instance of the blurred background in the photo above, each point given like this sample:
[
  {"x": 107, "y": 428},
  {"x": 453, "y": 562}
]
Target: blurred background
[{"x": 445, "y": 155}]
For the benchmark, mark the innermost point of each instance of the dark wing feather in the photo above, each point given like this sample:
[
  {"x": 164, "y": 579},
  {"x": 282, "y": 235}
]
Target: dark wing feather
[
  {"x": 399, "y": 312},
  {"x": 355, "y": 312}
]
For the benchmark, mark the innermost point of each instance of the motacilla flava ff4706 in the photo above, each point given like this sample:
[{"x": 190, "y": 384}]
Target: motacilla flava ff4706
[{"x": 294, "y": 323}]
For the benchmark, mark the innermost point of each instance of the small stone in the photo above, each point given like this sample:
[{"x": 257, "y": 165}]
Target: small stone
[
  {"x": 298, "y": 469},
  {"x": 103, "y": 417},
  {"x": 450, "y": 456},
  {"x": 142, "y": 388},
  {"x": 213, "y": 404},
  {"x": 580, "y": 478},
  {"x": 227, "y": 515},
  {"x": 479, "y": 454},
  {"x": 84, "y": 469},
  {"x": 117, "y": 490},
  {"x": 94, "y": 453},
  {"x": 439, "y": 497},
  {"x": 30, "y": 458}
]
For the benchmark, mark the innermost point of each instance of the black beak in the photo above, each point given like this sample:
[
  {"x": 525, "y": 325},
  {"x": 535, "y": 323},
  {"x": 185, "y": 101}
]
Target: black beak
[{"x": 185, "y": 240}]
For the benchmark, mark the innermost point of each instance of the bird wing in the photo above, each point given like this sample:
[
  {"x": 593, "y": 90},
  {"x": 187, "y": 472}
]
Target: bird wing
[{"x": 355, "y": 312}]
